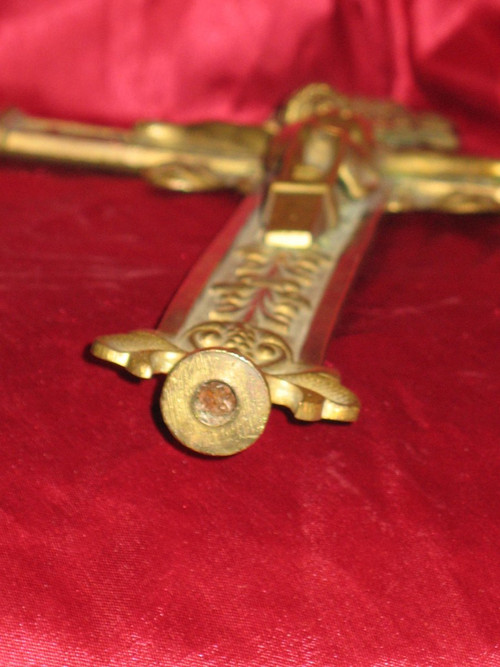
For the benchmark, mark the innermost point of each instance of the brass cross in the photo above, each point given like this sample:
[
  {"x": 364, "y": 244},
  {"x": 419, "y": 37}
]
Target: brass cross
[{"x": 250, "y": 325}]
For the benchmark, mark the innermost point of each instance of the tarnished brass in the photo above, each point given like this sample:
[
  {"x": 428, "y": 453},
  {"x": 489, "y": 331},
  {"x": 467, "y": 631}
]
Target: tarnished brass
[
  {"x": 217, "y": 401},
  {"x": 206, "y": 156},
  {"x": 422, "y": 180},
  {"x": 415, "y": 152},
  {"x": 300, "y": 203},
  {"x": 250, "y": 325}
]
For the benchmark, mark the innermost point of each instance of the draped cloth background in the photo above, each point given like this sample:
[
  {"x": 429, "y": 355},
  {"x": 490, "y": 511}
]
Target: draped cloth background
[{"x": 371, "y": 544}]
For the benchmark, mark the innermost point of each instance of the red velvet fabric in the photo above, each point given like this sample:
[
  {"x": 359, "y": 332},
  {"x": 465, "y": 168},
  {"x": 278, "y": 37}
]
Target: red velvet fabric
[{"x": 368, "y": 544}]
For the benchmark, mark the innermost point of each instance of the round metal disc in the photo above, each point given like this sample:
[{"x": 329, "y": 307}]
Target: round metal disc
[{"x": 215, "y": 402}]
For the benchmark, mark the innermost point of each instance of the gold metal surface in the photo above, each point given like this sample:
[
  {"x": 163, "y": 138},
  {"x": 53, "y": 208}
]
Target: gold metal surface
[
  {"x": 235, "y": 427},
  {"x": 239, "y": 336},
  {"x": 300, "y": 203},
  {"x": 422, "y": 180},
  {"x": 414, "y": 153},
  {"x": 391, "y": 124},
  {"x": 249, "y": 326},
  {"x": 206, "y": 156}
]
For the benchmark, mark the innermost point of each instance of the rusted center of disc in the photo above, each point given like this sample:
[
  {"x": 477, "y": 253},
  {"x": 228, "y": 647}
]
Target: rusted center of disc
[{"x": 214, "y": 403}]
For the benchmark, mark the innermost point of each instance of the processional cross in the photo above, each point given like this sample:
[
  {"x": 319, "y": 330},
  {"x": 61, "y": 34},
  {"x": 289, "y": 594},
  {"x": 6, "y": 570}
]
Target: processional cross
[{"x": 249, "y": 326}]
